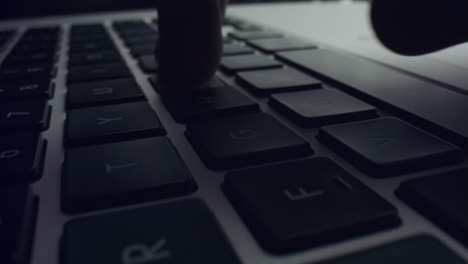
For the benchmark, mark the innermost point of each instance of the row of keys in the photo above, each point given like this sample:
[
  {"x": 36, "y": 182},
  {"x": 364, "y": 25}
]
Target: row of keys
[{"x": 93, "y": 55}]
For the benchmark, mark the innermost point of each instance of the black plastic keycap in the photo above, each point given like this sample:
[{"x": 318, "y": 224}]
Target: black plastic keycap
[
  {"x": 152, "y": 234},
  {"x": 314, "y": 108},
  {"x": 103, "y": 92},
  {"x": 148, "y": 63},
  {"x": 390, "y": 88},
  {"x": 306, "y": 203},
  {"x": 236, "y": 49},
  {"x": 21, "y": 157},
  {"x": 388, "y": 146},
  {"x": 280, "y": 44},
  {"x": 98, "y": 72},
  {"x": 244, "y": 139},
  {"x": 103, "y": 57},
  {"x": 27, "y": 71},
  {"x": 276, "y": 80},
  {"x": 111, "y": 123},
  {"x": 18, "y": 210},
  {"x": 143, "y": 49},
  {"x": 248, "y": 62},
  {"x": 123, "y": 173},
  {"x": 418, "y": 249},
  {"x": 208, "y": 103},
  {"x": 26, "y": 89},
  {"x": 441, "y": 198},
  {"x": 256, "y": 34},
  {"x": 33, "y": 115}
]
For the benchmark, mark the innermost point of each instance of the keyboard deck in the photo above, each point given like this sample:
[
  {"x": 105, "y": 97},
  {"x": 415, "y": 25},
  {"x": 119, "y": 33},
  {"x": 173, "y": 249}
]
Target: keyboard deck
[{"x": 294, "y": 153}]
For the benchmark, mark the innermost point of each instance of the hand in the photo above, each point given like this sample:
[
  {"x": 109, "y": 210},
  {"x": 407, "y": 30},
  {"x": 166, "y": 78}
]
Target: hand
[{"x": 190, "y": 46}]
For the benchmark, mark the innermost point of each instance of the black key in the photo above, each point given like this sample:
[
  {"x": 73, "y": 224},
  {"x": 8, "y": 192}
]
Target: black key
[
  {"x": 21, "y": 157},
  {"x": 248, "y": 62},
  {"x": 33, "y": 46},
  {"x": 91, "y": 47},
  {"x": 141, "y": 40},
  {"x": 88, "y": 29},
  {"x": 26, "y": 89},
  {"x": 390, "y": 88},
  {"x": 388, "y": 146},
  {"x": 152, "y": 234},
  {"x": 441, "y": 198},
  {"x": 148, "y": 63},
  {"x": 18, "y": 211},
  {"x": 28, "y": 71},
  {"x": 25, "y": 115},
  {"x": 276, "y": 80},
  {"x": 248, "y": 35},
  {"x": 306, "y": 203},
  {"x": 215, "y": 82},
  {"x": 103, "y": 92},
  {"x": 75, "y": 39},
  {"x": 45, "y": 57},
  {"x": 134, "y": 33},
  {"x": 98, "y": 72},
  {"x": 314, "y": 108},
  {"x": 280, "y": 44},
  {"x": 236, "y": 49},
  {"x": 419, "y": 249},
  {"x": 104, "y": 57},
  {"x": 245, "y": 139},
  {"x": 133, "y": 171},
  {"x": 209, "y": 103},
  {"x": 111, "y": 123},
  {"x": 141, "y": 50}
]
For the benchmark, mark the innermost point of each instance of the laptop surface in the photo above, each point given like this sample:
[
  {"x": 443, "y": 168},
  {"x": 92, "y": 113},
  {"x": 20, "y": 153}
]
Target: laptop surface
[{"x": 314, "y": 144}]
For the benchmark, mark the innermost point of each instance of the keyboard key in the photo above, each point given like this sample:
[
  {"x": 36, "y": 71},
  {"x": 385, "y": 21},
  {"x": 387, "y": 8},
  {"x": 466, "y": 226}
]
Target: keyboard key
[
  {"x": 141, "y": 40},
  {"x": 387, "y": 146},
  {"x": 419, "y": 249},
  {"x": 111, "y": 123},
  {"x": 248, "y": 62},
  {"x": 245, "y": 139},
  {"x": 98, "y": 72},
  {"x": 390, "y": 89},
  {"x": 314, "y": 108},
  {"x": 441, "y": 198},
  {"x": 178, "y": 232},
  {"x": 215, "y": 82},
  {"x": 21, "y": 157},
  {"x": 209, "y": 103},
  {"x": 142, "y": 50},
  {"x": 16, "y": 58},
  {"x": 88, "y": 38},
  {"x": 91, "y": 47},
  {"x": 103, "y": 92},
  {"x": 148, "y": 63},
  {"x": 103, "y": 57},
  {"x": 306, "y": 203},
  {"x": 25, "y": 115},
  {"x": 280, "y": 44},
  {"x": 236, "y": 49},
  {"x": 26, "y": 89},
  {"x": 132, "y": 171},
  {"x": 248, "y": 35},
  {"x": 276, "y": 80},
  {"x": 18, "y": 211},
  {"x": 28, "y": 71},
  {"x": 88, "y": 29}
]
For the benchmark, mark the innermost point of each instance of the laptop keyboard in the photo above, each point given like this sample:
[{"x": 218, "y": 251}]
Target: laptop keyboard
[{"x": 279, "y": 121}]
